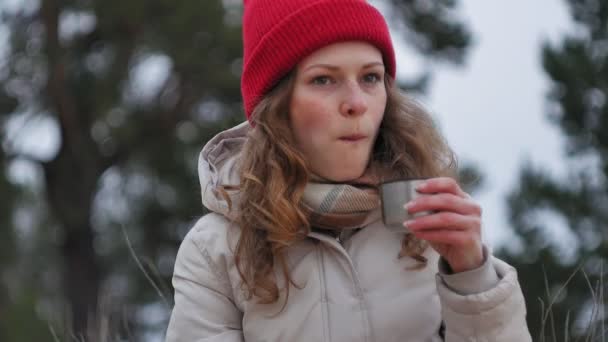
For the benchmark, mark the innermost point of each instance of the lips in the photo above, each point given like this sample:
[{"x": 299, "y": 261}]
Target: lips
[{"x": 353, "y": 137}]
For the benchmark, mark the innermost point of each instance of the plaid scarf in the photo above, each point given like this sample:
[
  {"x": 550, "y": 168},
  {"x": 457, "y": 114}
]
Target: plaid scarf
[{"x": 338, "y": 206}]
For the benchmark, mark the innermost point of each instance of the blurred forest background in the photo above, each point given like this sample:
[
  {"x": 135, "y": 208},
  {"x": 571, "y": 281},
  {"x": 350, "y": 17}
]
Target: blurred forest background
[{"x": 104, "y": 106}]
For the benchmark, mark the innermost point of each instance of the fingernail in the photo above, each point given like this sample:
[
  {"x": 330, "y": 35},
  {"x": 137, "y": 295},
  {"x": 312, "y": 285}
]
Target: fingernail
[
  {"x": 408, "y": 205},
  {"x": 421, "y": 186},
  {"x": 408, "y": 223}
]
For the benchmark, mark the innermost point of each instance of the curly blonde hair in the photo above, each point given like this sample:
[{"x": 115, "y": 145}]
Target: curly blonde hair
[{"x": 274, "y": 175}]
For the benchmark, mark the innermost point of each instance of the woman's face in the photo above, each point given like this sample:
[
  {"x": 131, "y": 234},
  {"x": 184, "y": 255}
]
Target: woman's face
[{"x": 336, "y": 108}]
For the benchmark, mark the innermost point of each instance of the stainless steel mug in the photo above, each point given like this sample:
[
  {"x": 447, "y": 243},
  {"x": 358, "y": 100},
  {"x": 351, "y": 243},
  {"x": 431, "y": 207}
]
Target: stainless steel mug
[{"x": 394, "y": 195}]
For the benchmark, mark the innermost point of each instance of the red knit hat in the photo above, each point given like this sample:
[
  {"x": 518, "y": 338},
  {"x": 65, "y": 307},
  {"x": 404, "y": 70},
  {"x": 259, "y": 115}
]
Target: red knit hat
[{"x": 277, "y": 34}]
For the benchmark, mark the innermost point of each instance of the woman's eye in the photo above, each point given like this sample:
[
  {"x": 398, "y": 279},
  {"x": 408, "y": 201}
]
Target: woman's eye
[
  {"x": 321, "y": 80},
  {"x": 372, "y": 78}
]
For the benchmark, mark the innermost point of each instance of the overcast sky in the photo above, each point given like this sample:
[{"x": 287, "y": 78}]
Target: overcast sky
[{"x": 492, "y": 110}]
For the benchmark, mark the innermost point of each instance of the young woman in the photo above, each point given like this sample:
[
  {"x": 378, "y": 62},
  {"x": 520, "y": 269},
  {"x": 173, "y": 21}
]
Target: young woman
[{"x": 295, "y": 248}]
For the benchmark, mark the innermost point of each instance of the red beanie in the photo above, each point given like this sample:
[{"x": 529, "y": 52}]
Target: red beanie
[{"x": 277, "y": 34}]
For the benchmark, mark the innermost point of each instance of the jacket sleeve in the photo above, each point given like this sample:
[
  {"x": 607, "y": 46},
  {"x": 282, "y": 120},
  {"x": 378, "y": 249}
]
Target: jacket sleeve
[
  {"x": 490, "y": 308},
  {"x": 204, "y": 309}
]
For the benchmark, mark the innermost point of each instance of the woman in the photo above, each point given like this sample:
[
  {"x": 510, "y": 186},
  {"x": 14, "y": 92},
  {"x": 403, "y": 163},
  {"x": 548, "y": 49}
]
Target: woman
[{"x": 294, "y": 248}]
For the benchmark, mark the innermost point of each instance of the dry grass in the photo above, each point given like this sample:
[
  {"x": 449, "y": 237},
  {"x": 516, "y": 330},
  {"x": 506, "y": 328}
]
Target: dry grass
[
  {"x": 108, "y": 324},
  {"x": 592, "y": 330}
]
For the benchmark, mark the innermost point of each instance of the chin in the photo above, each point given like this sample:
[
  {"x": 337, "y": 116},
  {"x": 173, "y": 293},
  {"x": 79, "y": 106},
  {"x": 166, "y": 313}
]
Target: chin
[{"x": 344, "y": 174}]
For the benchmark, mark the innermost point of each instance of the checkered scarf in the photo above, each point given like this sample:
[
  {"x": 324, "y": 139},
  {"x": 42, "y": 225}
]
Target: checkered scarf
[{"x": 337, "y": 206}]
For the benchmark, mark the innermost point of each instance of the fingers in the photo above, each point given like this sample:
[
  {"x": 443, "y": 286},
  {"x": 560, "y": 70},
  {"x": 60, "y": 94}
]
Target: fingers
[
  {"x": 444, "y": 202},
  {"x": 450, "y": 237},
  {"x": 440, "y": 185},
  {"x": 456, "y": 217},
  {"x": 445, "y": 221}
]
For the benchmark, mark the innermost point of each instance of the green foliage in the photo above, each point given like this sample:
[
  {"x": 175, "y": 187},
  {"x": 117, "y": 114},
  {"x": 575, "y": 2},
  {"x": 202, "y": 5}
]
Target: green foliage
[
  {"x": 578, "y": 68},
  {"x": 19, "y": 321}
]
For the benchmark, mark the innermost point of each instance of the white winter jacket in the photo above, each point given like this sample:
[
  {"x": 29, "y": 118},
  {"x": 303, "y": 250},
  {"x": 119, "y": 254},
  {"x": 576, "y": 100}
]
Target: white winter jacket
[{"x": 352, "y": 289}]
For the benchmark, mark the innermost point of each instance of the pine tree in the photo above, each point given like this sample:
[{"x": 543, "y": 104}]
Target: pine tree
[{"x": 578, "y": 68}]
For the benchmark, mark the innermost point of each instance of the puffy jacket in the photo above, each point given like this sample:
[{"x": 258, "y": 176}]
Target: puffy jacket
[{"x": 350, "y": 289}]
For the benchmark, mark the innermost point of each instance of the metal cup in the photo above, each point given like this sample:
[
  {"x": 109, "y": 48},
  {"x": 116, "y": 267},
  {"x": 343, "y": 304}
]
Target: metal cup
[{"x": 394, "y": 195}]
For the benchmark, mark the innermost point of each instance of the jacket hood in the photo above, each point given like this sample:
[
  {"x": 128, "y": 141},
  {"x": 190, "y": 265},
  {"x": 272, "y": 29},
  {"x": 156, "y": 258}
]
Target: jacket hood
[{"x": 218, "y": 166}]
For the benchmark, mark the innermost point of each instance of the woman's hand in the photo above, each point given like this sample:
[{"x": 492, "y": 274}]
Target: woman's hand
[{"x": 454, "y": 230}]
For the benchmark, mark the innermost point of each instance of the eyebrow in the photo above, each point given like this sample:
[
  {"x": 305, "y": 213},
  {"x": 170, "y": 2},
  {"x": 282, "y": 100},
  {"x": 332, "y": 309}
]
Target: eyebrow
[{"x": 335, "y": 67}]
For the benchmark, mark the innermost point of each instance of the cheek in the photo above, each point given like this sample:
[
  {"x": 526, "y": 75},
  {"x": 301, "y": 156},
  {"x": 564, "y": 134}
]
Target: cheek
[
  {"x": 309, "y": 116},
  {"x": 379, "y": 107}
]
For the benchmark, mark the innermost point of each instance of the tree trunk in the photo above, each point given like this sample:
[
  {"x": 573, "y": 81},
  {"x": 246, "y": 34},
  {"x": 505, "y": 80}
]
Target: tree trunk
[
  {"x": 71, "y": 180},
  {"x": 81, "y": 278}
]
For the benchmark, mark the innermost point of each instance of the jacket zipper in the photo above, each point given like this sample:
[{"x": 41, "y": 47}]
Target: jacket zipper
[
  {"x": 324, "y": 298},
  {"x": 355, "y": 277}
]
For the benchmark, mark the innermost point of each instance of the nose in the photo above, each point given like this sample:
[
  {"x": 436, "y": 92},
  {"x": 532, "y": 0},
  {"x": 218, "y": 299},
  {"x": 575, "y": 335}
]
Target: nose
[{"x": 354, "y": 102}]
